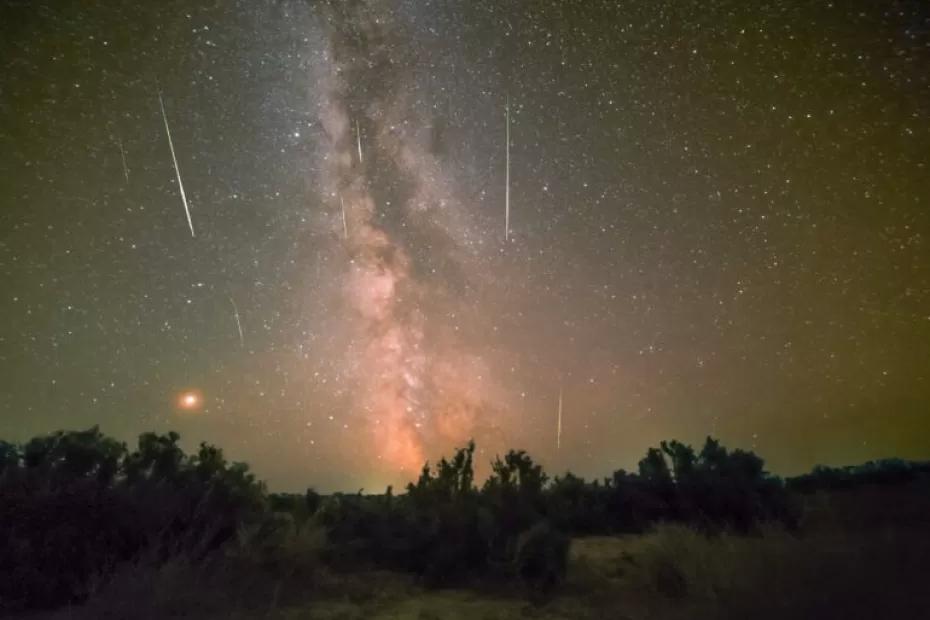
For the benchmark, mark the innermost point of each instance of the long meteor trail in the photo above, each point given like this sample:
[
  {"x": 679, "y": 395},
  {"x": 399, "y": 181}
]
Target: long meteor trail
[
  {"x": 177, "y": 170},
  {"x": 558, "y": 432},
  {"x": 358, "y": 138},
  {"x": 507, "y": 190},
  {"x": 238, "y": 323}
]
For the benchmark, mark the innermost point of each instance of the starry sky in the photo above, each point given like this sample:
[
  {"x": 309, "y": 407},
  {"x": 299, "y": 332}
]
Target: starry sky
[{"x": 719, "y": 221}]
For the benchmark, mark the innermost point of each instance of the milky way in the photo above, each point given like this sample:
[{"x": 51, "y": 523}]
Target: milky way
[
  {"x": 416, "y": 389},
  {"x": 718, "y": 223}
]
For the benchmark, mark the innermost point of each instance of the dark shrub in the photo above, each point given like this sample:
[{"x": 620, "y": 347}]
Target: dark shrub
[
  {"x": 77, "y": 504},
  {"x": 312, "y": 501},
  {"x": 541, "y": 559}
]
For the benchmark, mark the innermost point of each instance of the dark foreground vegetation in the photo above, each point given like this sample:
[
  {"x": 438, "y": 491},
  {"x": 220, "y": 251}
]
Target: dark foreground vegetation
[{"x": 85, "y": 519}]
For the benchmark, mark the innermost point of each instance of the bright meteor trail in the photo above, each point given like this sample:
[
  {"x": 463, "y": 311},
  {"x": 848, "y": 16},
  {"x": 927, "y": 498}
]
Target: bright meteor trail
[
  {"x": 507, "y": 191},
  {"x": 238, "y": 322},
  {"x": 177, "y": 170}
]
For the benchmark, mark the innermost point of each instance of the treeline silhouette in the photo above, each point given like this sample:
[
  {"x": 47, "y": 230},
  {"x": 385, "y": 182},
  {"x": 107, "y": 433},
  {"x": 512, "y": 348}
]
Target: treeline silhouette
[
  {"x": 446, "y": 528},
  {"x": 883, "y": 472},
  {"x": 78, "y": 505},
  {"x": 75, "y": 505}
]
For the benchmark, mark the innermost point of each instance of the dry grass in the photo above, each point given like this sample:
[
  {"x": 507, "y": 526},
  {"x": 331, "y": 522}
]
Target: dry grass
[
  {"x": 672, "y": 573},
  {"x": 683, "y": 573},
  {"x": 874, "y": 567}
]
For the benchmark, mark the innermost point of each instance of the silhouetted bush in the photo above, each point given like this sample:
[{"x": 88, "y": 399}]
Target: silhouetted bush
[
  {"x": 541, "y": 559},
  {"x": 312, "y": 501},
  {"x": 76, "y": 505},
  {"x": 446, "y": 530},
  {"x": 713, "y": 490}
]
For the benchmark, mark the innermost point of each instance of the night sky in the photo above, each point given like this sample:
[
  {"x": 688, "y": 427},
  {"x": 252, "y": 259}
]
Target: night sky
[{"x": 719, "y": 224}]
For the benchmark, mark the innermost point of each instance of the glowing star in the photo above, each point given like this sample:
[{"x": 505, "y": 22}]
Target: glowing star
[{"x": 190, "y": 400}]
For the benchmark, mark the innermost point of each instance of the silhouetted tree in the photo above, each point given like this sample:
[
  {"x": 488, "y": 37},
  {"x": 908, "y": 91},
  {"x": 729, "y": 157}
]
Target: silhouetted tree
[
  {"x": 76, "y": 504},
  {"x": 574, "y": 505},
  {"x": 312, "y": 501},
  {"x": 9, "y": 457}
]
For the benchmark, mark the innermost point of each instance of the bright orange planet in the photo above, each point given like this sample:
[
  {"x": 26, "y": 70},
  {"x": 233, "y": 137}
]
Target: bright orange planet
[{"x": 190, "y": 400}]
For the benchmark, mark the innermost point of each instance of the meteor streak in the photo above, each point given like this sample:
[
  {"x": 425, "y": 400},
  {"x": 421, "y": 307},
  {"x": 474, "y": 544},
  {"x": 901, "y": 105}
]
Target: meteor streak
[
  {"x": 177, "y": 170},
  {"x": 122, "y": 155},
  {"x": 507, "y": 191},
  {"x": 238, "y": 323},
  {"x": 345, "y": 226},
  {"x": 558, "y": 433},
  {"x": 358, "y": 138}
]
